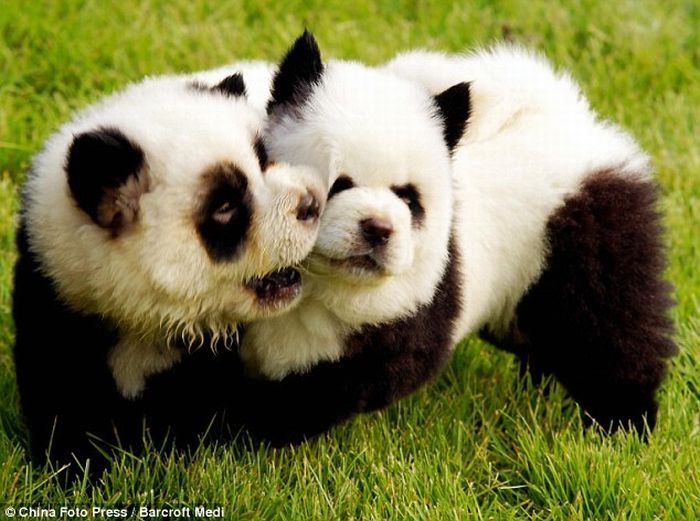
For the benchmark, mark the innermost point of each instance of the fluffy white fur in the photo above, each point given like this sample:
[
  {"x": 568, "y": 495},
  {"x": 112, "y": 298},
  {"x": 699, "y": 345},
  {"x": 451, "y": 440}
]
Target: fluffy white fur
[
  {"x": 155, "y": 280},
  {"x": 530, "y": 142},
  {"x": 381, "y": 131},
  {"x": 257, "y": 76}
]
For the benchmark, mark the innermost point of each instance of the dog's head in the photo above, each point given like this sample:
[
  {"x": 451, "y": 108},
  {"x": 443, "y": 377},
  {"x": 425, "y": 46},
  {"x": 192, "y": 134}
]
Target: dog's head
[
  {"x": 159, "y": 209},
  {"x": 384, "y": 144}
]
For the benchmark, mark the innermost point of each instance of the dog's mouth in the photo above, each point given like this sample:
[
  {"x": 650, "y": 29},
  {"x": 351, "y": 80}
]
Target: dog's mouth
[
  {"x": 278, "y": 287},
  {"x": 359, "y": 262},
  {"x": 363, "y": 265}
]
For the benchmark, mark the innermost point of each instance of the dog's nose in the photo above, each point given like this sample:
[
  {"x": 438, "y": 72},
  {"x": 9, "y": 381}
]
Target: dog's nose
[
  {"x": 309, "y": 208},
  {"x": 376, "y": 231}
]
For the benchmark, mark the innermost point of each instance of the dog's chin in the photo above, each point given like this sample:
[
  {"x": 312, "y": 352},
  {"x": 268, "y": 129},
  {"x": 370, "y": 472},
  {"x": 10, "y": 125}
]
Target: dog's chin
[{"x": 364, "y": 267}]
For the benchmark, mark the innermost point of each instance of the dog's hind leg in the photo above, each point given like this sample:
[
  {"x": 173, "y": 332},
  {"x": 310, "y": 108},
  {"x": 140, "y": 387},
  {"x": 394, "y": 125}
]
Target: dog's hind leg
[{"x": 597, "y": 318}]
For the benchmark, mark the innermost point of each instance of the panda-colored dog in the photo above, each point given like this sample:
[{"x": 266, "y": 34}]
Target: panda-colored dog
[
  {"x": 151, "y": 223},
  {"x": 557, "y": 252},
  {"x": 380, "y": 288},
  {"x": 561, "y": 239}
]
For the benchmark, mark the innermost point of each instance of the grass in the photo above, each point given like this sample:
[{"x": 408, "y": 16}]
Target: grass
[{"x": 475, "y": 444}]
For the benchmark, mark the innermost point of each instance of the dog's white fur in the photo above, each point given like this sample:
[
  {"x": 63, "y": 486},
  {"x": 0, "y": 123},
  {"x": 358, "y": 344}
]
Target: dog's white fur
[
  {"x": 381, "y": 131},
  {"x": 156, "y": 280},
  {"x": 530, "y": 142}
]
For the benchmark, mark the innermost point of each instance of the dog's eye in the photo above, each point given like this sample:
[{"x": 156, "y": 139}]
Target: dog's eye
[
  {"x": 409, "y": 195},
  {"x": 342, "y": 183},
  {"x": 224, "y": 212}
]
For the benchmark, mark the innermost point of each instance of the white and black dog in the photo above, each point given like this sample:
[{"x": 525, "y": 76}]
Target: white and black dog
[
  {"x": 553, "y": 240},
  {"x": 556, "y": 252},
  {"x": 381, "y": 289},
  {"x": 560, "y": 235},
  {"x": 151, "y": 223}
]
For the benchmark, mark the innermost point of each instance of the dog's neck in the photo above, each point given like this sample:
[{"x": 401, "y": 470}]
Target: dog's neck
[{"x": 295, "y": 341}]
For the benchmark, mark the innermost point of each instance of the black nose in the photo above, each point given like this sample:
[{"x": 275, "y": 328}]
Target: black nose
[
  {"x": 376, "y": 231},
  {"x": 309, "y": 208}
]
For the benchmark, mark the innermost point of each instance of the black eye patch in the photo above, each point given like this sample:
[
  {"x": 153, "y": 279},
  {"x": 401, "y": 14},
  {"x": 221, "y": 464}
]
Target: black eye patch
[
  {"x": 341, "y": 184},
  {"x": 409, "y": 195},
  {"x": 223, "y": 218}
]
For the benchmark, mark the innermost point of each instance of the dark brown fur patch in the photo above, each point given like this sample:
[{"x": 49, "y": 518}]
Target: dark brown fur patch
[
  {"x": 382, "y": 364},
  {"x": 597, "y": 319}
]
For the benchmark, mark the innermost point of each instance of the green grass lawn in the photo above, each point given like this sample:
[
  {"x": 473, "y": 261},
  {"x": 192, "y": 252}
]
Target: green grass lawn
[{"x": 475, "y": 444}]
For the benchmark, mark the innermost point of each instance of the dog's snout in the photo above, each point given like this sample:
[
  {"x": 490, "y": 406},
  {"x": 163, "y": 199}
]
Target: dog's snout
[
  {"x": 376, "y": 231},
  {"x": 309, "y": 208}
]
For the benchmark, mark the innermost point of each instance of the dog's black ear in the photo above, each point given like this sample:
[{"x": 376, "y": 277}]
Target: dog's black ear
[
  {"x": 298, "y": 72},
  {"x": 107, "y": 175},
  {"x": 454, "y": 106},
  {"x": 231, "y": 85}
]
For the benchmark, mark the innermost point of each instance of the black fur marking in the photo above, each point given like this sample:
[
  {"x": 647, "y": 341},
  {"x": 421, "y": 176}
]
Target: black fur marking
[
  {"x": 224, "y": 217},
  {"x": 106, "y": 176},
  {"x": 409, "y": 194},
  {"x": 68, "y": 398},
  {"x": 65, "y": 386},
  {"x": 597, "y": 319},
  {"x": 454, "y": 105},
  {"x": 187, "y": 401},
  {"x": 261, "y": 152},
  {"x": 299, "y": 71},
  {"x": 341, "y": 184},
  {"x": 231, "y": 86},
  {"x": 198, "y": 86},
  {"x": 382, "y": 364}
]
